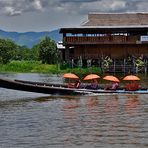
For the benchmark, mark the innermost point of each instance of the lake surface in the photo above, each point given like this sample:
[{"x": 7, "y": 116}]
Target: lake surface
[{"x": 31, "y": 120}]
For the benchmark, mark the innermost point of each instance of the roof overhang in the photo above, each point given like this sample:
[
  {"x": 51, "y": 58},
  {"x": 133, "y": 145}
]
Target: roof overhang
[{"x": 103, "y": 29}]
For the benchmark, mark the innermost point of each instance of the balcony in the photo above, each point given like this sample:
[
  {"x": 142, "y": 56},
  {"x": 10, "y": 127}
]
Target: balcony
[{"x": 116, "y": 39}]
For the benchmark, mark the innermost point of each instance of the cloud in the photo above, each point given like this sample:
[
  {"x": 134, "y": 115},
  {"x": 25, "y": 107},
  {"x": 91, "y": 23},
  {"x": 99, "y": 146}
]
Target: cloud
[
  {"x": 24, "y": 15},
  {"x": 11, "y": 11},
  {"x": 37, "y": 4},
  {"x": 103, "y": 6},
  {"x": 17, "y": 7},
  {"x": 86, "y": 6}
]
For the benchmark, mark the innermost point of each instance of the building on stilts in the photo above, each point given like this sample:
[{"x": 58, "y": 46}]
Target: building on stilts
[{"x": 116, "y": 42}]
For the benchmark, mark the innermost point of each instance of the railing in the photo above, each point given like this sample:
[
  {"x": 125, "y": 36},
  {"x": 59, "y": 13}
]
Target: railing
[
  {"x": 121, "y": 68},
  {"x": 117, "y": 39}
]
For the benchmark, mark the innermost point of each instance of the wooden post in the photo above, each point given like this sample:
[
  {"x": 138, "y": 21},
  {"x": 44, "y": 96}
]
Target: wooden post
[
  {"x": 72, "y": 63},
  {"x": 145, "y": 67},
  {"x": 124, "y": 62},
  {"x": 135, "y": 69},
  {"x": 114, "y": 66}
]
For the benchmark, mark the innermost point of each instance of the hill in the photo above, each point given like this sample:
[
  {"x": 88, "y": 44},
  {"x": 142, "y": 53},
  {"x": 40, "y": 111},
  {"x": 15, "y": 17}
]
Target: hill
[{"x": 29, "y": 39}]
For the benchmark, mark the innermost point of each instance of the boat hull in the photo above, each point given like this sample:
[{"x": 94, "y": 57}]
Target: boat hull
[
  {"x": 36, "y": 87},
  {"x": 54, "y": 89}
]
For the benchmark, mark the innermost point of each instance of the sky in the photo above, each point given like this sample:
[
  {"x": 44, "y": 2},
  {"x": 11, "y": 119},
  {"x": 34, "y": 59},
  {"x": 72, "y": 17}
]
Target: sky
[{"x": 48, "y": 15}]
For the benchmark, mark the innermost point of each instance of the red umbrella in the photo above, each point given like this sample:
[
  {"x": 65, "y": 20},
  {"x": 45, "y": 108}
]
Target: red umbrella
[
  {"x": 131, "y": 77},
  {"x": 91, "y": 77},
  {"x": 70, "y": 75},
  {"x": 111, "y": 78}
]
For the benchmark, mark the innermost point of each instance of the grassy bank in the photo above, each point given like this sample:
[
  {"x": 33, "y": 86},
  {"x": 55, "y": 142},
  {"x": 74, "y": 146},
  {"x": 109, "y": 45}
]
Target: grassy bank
[
  {"x": 28, "y": 67},
  {"x": 38, "y": 67}
]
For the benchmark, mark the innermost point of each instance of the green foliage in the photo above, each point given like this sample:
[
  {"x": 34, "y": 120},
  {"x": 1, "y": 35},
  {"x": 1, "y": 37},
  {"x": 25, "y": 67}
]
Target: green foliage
[
  {"x": 107, "y": 61},
  {"x": 38, "y": 67},
  {"x": 7, "y": 50},
  {"x": 45, "y": 51},
  {"x": 64, "y": 65},
  {"x": 19, "y": 66},
  {"x": 81, "y": 72},
  {"x": 85, "y": 71},
  {"x": 139, "y": 62},
  {"x": 24, "y": 53},
  {"x": 45, "y": 68},
  {"x": 48, "y": 52},
  {"x": 35, "y": 52},
  {"x": 28, "y": 66}
]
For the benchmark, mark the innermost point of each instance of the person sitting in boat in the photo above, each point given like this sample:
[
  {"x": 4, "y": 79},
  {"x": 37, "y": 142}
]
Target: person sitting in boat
[
  {"x": 77, "y": 84},
  {"x": 132, "y": 86},
  {"x": 114, "y": 86},
  {"x": 74, "y": 85},
  {"x": 94, "y": 84}
]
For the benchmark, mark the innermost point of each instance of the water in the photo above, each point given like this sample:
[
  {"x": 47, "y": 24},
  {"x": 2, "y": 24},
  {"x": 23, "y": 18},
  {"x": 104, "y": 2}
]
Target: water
[{"x": 42, "y": 121}]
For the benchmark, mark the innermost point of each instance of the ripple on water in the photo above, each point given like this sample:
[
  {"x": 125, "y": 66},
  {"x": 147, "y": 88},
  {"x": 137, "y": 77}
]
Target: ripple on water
[{"x": 41, "y": 121}]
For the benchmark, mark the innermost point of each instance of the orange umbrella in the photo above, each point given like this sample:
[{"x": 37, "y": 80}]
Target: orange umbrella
[
  {"x": 131, "y": 77},
  {"x": 111, "y": 78},
  {"x": 70, "y": 75},
  {"x": 91, "y": 77}
]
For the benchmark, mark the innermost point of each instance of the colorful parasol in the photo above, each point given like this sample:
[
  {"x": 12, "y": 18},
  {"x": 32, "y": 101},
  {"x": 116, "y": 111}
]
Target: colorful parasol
[
  {"x": 111, "y": 78},
  {"x": 91, "y": 77},
  {"x": 131, "y": 78},
  {"x": 70, "y": 75}
]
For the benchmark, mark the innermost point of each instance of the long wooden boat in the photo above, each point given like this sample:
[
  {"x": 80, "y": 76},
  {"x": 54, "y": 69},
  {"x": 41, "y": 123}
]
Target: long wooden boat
[{"x": 58, "y": 89}]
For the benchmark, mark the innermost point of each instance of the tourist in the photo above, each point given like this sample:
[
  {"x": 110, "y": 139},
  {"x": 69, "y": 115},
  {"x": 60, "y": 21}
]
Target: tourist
[
  {"x": 133, "y": 86},
  {"x": 94, "y": 84},
  {"x": 77, "y": 84},
  {"x": 74, "y": 85},
  {"x": 114, "y": 86}
]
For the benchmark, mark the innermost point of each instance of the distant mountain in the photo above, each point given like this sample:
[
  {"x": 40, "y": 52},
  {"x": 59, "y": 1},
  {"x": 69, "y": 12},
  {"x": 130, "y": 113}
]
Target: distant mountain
[{"x": 29, "y": 39}]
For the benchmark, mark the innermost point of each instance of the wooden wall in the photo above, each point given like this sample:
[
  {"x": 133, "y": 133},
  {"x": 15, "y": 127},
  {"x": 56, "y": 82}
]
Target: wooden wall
[{"x": 114, "y": 51}]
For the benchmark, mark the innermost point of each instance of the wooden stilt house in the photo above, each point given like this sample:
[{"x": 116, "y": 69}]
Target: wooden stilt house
[{"x": 118, "y": 36}]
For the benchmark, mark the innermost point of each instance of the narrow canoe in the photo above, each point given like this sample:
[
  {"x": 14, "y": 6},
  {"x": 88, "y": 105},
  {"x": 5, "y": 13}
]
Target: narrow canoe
[{"x": 59, "y": 89}]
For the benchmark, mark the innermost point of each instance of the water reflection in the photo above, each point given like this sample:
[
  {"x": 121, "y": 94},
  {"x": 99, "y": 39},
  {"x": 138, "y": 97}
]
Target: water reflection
[
  {"x": 92, "y": 102},
  {"x": 71, "y": 104},
  {"x": 93, "y": 109},
  {"x": 70, "y": 113},
  {"x": 112, "y": 105},
  {"x": 132, "y": 105},
  {"x": 105, "y": 120},
  {"x": 37, "y": 120}
]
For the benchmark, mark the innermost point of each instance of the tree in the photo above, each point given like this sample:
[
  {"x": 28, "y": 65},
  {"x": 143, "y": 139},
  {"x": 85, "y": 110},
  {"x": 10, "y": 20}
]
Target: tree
[
  {"x": 23, "y": 53},
  {"x": 48, "y": 52},
  {"x": 35, "y": 52},
  {"x": 7, "y": 50}
]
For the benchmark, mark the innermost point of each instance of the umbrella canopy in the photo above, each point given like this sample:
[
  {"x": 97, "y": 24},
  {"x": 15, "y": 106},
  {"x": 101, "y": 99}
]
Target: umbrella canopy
[
  {"x": 131, "y": 77},
  {"x": 91, "y": 77},
  {"x": 70, "y": 75},
  {"x": 111, "y": 78}
]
